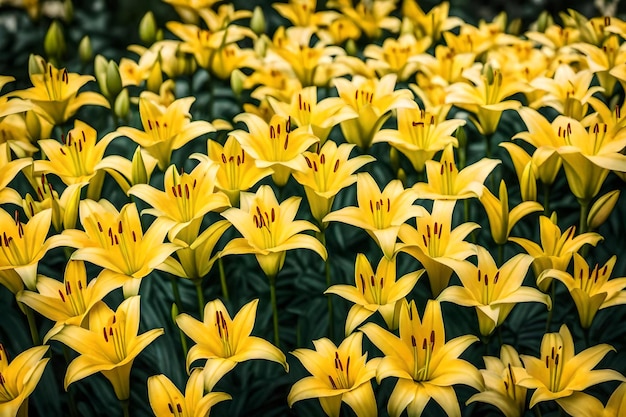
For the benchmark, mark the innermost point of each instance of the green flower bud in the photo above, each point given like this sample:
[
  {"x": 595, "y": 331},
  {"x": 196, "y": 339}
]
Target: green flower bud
[
  {"x": 33, "y": 125},
  {"x": 54, "y": 42},
  {"x": 601, "y": 209},
  {"x": 85, "y": 51},
  {"x": 148, "y": 28},
  {"x": 68, "y": 11},
  {"x": 139, "y": 174},
  {"x": 528, "y": 186},
  {"x": 351, "y": 48},
  {"x": 122, "y": 104},
  {"x": 100, "y": 70},
  {"x": 236, "y": 81},
  {"x": 257, "y": 21},
  {"x": 155, "y": 79},
  {"x": 113, "y": 79},
  {"x": 36, "y": 64}
]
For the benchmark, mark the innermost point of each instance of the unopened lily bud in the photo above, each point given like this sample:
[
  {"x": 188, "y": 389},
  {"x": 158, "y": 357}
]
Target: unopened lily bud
[
  {"x": 515, "y": 26},
  {"x": 85, "y": 51},
  {"x": 394, "y": 158},
  {"x": 54, "y": 42},
  {"x": 33, "y": 125},
  {"x": 159, "y": 35},
  {"x": 488, "y": 73},
  {"x": 36, "y": 64},
  {"x": 185, "y": 63},
  {"x": 122, "y": 104},
  {"x": 155, "y": 79},
  {"x": 148, "y": 28},
  {"x": 236, "y": 81},
  {"x": 528, "y": 183},
  {"x": 68, "y": 11},
  {"x": 113, "y": 79},
  {"x": 100, "y": 70},
  {"x": 461, "y": 137},
  {"x": 139, "y": 174},
  {"x": 601, "y": 209},
  {"x": 544, "y": 21},
  {"x": 553, "y": 217},
  {"x": 261, "y": 45},
  {"x": 70, "y": 213},
  {"x": 351, "y": 48},
  {"x": 402, "y": 176},
  {"x": 407, "y": 27},
  {"x": 257, "y": 21}
]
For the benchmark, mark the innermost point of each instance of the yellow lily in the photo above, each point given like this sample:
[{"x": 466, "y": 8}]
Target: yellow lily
[
  {"x": 379, "y": 213},
  {"x": 328, "y": 171},
  {"x": 501, "y": 389},
  {"x": 372, "y": 99},
  {"x": 165, "y": 129},
  {"x": 561, "y": 375},
  {"x": 23, "y": 245},
  {"x": 224, "y": 342},
  {"x": 16, "y": 133},
  {"x": 446, "y": 182},
  {"x": 305, "y": 110},
  {"x": 433, "y": 23},
  {"x": 501, "y": 220},
  {"x": 556, "y": 248},
  {"x": 485, "y": 96},
  {"x": 274, "y": 145},
  {"x": 19, "y": 379},
  {"x": 8, "y": 107},
  {"x": 616, "y": 405},
  {"x": 78, "y": 158},
  {"x": 372, "y": 17},
  {"x": 55, "y": 95},
  {"x": 433, "y": 240},
  {"x": 166, "y": 400},
  {"x": 393, "y": 56},
  {"x": 491, "y": 290},
  {"x": 10, "y": 168},
  {"x": 425, "y": 365},
  {"x": 69, "y": 302},
  {"x": 420, "y": 135},
  {"x": 109, "y": 345},
  {"x": 269, "y": 229},
  {"x": 237, "y": 170},
  {"x": 188, "y": 10},
  {"x": 302, "y": 13},
  {"x": 591, "y": 290},
  {"x": 432, "y": 93},
  {"x": 185, "y": 199},
  {"x": 375, "y": 292},
  {"x": 339, "y": 374},
  {"x": 115, "y": 241},
  {"x": 198, "y": 258},
  {"x": 604, "y": 58},
  {"x": 447, "y": 64},
  {"x": 127, "y": 173}
]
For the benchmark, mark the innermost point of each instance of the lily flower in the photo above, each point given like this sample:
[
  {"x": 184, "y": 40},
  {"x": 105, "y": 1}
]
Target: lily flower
[
  {"x": 379, "y": 213},
  {"x": 433, "y": 23},
  {"x": 561, "y": 375},
  {"x": 371, "y": 18},
  {"x": 302, "y": 13},
  {"x": 501, "y": 389},
  {"x": 224, "y": 342},
  {"x": 69, "y": 302},
  {"x": 446, "y": 182},
  {"x": 167, "y": 400},
  {"x": 274, "y": 145},
  {"x": 77, "y": 159},
  {"x": 433, "y": 240},
  {"x": 115, "y": 241},
  {"x": 425, "y": 365},
  {"x": 127, "y": 173},
  {"x": 165, "y": 129},
  {"x": 394, "y": 56},
  {"x": 269, "y": 229},
  {"x": 19, "y": 379},
  {"x": 14, "y": 106},
  {"x": 375, "y": 292},
  {"x": 198, "y": 258},
  {"x": 9, "y": 171},
  {"x": 556, "y": 248},
  {"x": 446, "y": 64},
  {"x": 305, "y": 110},
  {"x": 420, "y": 135},
  {"x": 591, "y": 290},
  {"x": 23, "y": 245},
  {"x": 109, "y": 345},
  {"x": 55, "y": 95},
  {"x": 372, "y": 100},
  {"x": 501, "y": 220},
  {"x": 339, "y": 374},
  {"x": 603, "y": 59},
  {"x": 237, "y": 170},
  {"x": 185, "y": 199},
  {"x": 616, "y": 405},
  {"x": 329, "y": 170},
  {"x": 491, "y": 290}
]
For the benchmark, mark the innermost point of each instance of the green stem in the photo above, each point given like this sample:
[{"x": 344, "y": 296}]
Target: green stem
[
  {"x": 546, "y": 200},
  {"x": 32, "y": 325},
  {"x": 500, "y": 255},
  {"x": 125, "y": 407},
  {"x": 220, "y": 265},
  {"x": 550, "y": 312},
  {"x": 331, "y": 323},
  {"x": 177, "y": 300},
  {"x": 584, "y": 212},
  {"x": 198, "y": 284},
  {"x": 537, "y": 410},
  {"x": 272, "y": 280},
  {"x": 71, "y": 401}
]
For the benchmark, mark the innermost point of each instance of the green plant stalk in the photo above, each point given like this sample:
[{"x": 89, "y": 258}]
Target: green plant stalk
[
  {"x": 331, "y": 324},
  {"x": 198, "y": 284},
  {"x": 550, "y": 312},
  {"x": 34, "y": 333},
  {"x": 220, "y": 265},
  {"x": 272, "y": 280},
  {"x": 546, "y": 200},
  {"x": 177, "y": 300},
  {"x": 584, "y": 213},
  {"x": 125, "y": 407},
  {"x": 500, "y": 255},
  {"x": 71, "y": 401}
]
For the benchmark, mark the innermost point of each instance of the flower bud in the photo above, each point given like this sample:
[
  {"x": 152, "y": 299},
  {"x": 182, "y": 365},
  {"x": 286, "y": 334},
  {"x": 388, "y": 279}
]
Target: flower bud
[
  {"x": 100, "y": 70},
  {"x": 36, "y": 64},
  {"x": 68, "y": 11},
  {"x": 236, "y": 81},
  {"x": 139, "y": 174},
  {"x": 407, "y": 27},
  {"x": 515, "y": 27},
  {"x": 461, "y": 137},
  {"x": 122, "y": 104},
  {"x": 544, "y": 21},
  {"x": 33, "y": 125},
  {"x": 394, "y": 158},
  {"x": 148, "y": 29},
  {"x": 113, "y": 79},
  {"x": 85, "y": 51},
  {"x": 351, "y": 48},
  {"x": 528, "y": 183},
  {"x": 71, "y": 197},
  {"x": 601, "y": 209},
  {"x": 155, "y": 79},
  {"x": 54, "y": 42},
  {"x": 257, "y": 21}
]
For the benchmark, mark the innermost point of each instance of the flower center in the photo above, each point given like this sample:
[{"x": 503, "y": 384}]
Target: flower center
[
  {"x": 113, "y": 335},
  {"x": 224, "y": 335},
  {"x": 342, "y": 373},
  {"x": 74, "y": 296},
  {"x": 12, "y": 251},
  {"x": 432, "y": 241},
  {"x": 372, "y": 289},
  {"x": 488, "y": 286},
  {"x": 232, "y": 168},
  {"x": 378, "y": 208},
  {"x": 422, "y": 356}
]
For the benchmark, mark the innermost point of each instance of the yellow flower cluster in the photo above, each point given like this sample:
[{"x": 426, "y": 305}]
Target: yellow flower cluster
[{"x": 371, "y": 100}]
